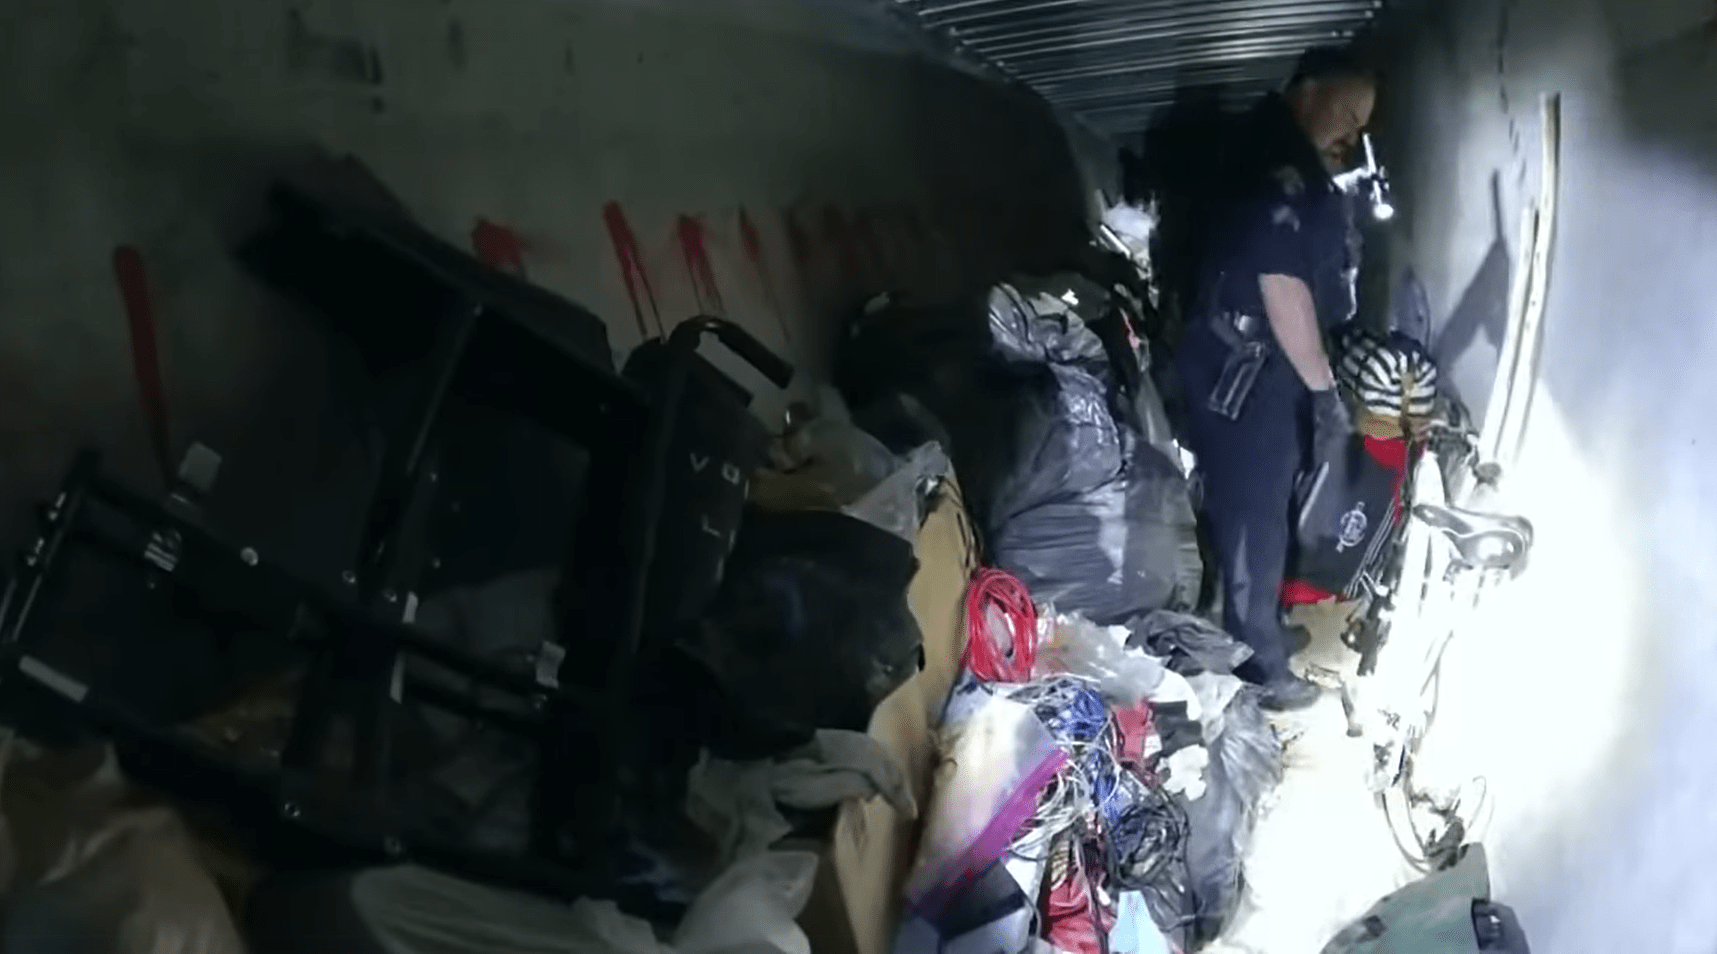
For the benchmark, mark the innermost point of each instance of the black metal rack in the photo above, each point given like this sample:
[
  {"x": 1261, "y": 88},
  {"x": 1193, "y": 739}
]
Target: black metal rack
[{"x": 668, "y": 444}]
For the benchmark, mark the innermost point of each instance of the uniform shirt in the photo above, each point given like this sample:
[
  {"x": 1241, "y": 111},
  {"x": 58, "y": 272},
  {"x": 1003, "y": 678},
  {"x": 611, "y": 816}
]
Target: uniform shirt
[{"x": 1286, "y": 217}]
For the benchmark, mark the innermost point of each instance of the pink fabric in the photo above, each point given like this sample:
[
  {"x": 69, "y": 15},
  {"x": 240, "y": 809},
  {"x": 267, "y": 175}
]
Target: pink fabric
[{"x": 1134, "y": 727}]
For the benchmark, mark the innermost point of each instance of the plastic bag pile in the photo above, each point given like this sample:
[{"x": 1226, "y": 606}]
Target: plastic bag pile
[
  {"x": 1102, "y": 805},
  {"x": 1038, "y": 391}
]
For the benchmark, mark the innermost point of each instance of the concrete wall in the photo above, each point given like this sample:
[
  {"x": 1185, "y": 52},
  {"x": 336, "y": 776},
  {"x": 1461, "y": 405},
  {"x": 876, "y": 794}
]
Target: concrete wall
[
  {"x": 154, "y": 124},
  {"x": 1585, "y": 692}
]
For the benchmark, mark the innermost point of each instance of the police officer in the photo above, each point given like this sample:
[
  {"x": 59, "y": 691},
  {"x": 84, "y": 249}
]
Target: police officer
[{"x": 1261, "y": 404}]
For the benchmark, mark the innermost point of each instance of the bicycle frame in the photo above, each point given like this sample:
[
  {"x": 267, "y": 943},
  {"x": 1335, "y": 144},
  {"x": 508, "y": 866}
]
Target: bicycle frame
[{"x": 1416, "y": 615}]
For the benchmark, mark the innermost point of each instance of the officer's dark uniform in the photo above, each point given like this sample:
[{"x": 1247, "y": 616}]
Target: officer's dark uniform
[{"x": 1247, "y": 412}]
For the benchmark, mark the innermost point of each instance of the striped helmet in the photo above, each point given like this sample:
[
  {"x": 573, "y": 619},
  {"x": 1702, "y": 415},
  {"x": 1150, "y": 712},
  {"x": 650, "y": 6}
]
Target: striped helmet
[{"x": 1391, "y": 375}]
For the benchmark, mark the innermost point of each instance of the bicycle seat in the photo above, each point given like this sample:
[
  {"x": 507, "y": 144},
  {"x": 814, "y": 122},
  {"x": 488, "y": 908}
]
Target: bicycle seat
[{"x": 1482, "y": 541}]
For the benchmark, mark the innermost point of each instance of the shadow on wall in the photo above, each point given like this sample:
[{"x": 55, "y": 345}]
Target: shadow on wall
[
  {"x": 1633, "y": 257},
  {"x": 1481, "y": 311},
  {"x": 1029, "y": 187},
  {"x": 1666, "y": 97},
  {"x": 1180, "y": 164},
  {"x": 1605, "y": 843}
]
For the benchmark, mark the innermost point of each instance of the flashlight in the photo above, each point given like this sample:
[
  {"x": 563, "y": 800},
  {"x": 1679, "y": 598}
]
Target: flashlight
[{"x": 1382, "y": 209}]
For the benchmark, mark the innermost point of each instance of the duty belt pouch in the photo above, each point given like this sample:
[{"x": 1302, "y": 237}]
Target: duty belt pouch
[{"x": 1246, "y": 356}]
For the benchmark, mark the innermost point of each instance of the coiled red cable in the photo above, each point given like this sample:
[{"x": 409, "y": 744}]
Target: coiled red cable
[{"x": 986, "y": 655}]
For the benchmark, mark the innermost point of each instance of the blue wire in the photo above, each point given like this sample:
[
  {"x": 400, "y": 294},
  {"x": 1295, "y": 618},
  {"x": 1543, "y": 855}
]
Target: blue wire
[{"x": 1141, "y": 830}]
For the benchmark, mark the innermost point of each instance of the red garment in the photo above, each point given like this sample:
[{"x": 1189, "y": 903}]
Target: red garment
[
  {"x": 1392, "y": 453},
  {"x": 1071, "y": 918},
  {"x": 1134, "y": 727},
  {"x": 1301, "y": 593}
]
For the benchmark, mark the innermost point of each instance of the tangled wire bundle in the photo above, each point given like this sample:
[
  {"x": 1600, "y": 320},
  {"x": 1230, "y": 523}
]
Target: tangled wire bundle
[{"x": 1138, "y": 830}]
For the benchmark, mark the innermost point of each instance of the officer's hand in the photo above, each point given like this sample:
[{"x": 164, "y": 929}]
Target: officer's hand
[{"x": 1332, "y": 425}]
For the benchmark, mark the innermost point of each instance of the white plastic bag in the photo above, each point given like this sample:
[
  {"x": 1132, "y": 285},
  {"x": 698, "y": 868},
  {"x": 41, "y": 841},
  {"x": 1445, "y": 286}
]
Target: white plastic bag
[
  {"x": 828, "y": 462},
  {"x": 90, "y": 862},
  {"x": 896, "y": 504},
  {"x": 1075, "y": 646},
  {"x": 842, "y": 461},
  {"x": 412, "y": 910},
  {"x": 751, "y": 908}
]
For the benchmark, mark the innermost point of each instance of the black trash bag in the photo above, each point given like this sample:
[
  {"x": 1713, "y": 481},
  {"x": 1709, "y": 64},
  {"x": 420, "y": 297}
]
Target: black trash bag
[
  {"x": 1099, "y": 554},
  {"x": 1092, "y": 517},
  {"x": 1170, "y": 906},
  {"x": 1046, "y": 438},
  {"x": 1189, "y": 644},
  {"x": 901, "y": 424},
  {"x": 1074, "y": 442},
  {"x": 1245, "y": 765},
  {"x": 810, "y": 630}
]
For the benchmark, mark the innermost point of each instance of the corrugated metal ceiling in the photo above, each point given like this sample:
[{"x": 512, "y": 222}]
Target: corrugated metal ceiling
[{"x": 1115, "y": 62}]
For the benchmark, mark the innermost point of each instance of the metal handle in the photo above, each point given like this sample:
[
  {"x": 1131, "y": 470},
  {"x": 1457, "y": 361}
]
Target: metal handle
[{"x": 739, "y": 341}]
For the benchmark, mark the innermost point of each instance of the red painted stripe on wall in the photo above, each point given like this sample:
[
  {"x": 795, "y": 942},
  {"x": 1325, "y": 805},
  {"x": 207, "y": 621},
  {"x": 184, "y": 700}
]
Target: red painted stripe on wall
[
  {"x": 133, "y": 281},
  {"x": 752, "y": 241},
  {"x": 694, "y": 251},
  {"x": 632, "y": 270},
  {"x": 499, "y": 246}
]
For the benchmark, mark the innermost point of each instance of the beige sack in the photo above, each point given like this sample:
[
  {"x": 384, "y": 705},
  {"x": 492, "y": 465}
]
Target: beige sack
[{"x": 90, "y": 862}]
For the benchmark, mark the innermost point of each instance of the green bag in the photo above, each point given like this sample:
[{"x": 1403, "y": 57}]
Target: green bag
[{"x": 1433, "y": 915}]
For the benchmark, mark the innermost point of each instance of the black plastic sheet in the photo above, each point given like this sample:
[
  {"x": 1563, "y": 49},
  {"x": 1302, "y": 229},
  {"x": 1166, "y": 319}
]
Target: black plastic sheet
[
  {"x": 1245, "y": 765},
  {"x": 810, "y": 630},
  {"x": 1188, "y": 644}
]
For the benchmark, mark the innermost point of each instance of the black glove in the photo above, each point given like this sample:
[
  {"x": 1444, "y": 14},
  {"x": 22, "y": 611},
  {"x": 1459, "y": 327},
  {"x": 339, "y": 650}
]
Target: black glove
[{"x": 1332, "y": 426}]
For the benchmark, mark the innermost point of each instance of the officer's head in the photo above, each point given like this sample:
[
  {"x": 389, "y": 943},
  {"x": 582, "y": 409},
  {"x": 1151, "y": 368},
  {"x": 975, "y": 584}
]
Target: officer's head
[{"x": 1331, "y": 95}]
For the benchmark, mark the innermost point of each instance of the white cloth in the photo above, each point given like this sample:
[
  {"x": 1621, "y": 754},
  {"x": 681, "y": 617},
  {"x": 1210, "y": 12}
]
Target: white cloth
[
  {"x": 838, "y": 766},
  {"x": 736, "y": 803},
  {"x": 1214, "y": 694},
  {"x": 1173, "y": 688},
  {"x": 1186, "y": 772}
]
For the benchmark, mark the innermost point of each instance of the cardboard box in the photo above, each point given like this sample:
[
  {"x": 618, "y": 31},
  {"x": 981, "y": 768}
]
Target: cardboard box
[{"x": 856, "y": 903}]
